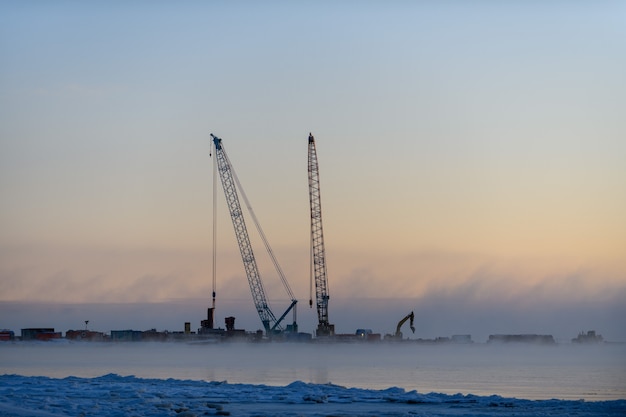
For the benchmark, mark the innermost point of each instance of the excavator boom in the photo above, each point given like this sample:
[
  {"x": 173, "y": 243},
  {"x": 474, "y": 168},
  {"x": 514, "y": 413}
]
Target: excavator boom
[{"x": 401, "y": 322}]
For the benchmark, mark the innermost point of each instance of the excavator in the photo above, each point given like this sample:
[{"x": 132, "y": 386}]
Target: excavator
[{"x": 398, "y": 334}]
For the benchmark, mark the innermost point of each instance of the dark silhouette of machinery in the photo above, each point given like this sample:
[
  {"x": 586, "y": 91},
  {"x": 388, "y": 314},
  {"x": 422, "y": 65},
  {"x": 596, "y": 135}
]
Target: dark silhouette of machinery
[
  {"x": 230, "y": 184},
  {"x": 398, "y": 334},
  {"x": 318, "y": 254}
]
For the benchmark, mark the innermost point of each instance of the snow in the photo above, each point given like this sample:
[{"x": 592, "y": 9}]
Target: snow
[{"x": 114, "y": 395}]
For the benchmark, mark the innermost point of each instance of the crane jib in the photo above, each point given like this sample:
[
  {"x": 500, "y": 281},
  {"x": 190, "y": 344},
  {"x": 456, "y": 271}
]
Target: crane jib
[{"x": 230, "y": 184}]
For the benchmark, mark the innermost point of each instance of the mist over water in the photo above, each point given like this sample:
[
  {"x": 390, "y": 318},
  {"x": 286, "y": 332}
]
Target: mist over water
[
  {"x": 434, "y": 316},
  {"x": 522, "y": 371}
]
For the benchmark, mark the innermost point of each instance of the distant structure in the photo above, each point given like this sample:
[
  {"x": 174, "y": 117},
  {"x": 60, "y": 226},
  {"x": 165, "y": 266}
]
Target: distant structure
[
  {"x": 207, "y": 325},
  {"x": 367, "y": 335},
  {"x": 6, "y": 335},
  {"x": 462, "y": 338},
  {"x": 589, "y": 337},
  {"x": 126, "y": 335},
  {"x": 40, "y": 333},
  {"x": 86, "y": 335},
  {"x": 522, "y": 338}
]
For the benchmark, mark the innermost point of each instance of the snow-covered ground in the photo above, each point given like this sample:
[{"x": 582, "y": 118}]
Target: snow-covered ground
[{"x": 114, "y": 395}]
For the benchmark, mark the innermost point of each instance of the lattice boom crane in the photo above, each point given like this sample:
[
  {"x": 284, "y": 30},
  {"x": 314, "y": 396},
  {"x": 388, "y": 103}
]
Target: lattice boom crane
[
  {"x": 230, "y": 185},
  {"x": 318, "y": 254}
]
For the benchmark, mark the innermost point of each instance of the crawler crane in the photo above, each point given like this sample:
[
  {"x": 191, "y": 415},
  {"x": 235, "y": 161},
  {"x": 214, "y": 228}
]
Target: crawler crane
[
  {"x": 318, "y": 254},
  {"x": 230, "y": 183}
]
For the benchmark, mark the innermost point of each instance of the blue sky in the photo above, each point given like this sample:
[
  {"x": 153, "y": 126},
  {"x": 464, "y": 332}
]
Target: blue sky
[{"x": 459, "y": 142}]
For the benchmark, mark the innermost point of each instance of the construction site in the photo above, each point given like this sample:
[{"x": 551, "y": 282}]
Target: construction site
[
  {"x": 275, "y": 326},
  {"x": 281, "y": 326}
]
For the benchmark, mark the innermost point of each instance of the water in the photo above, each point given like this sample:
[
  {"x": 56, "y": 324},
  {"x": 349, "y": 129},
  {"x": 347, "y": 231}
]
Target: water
[{"x": 523, "y": 371}]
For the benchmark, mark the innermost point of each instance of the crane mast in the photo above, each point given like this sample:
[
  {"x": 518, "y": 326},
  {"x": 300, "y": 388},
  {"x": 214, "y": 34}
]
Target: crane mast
[
  {"x": 229, "y": 183},
  {"x": 318, "y": 254}
]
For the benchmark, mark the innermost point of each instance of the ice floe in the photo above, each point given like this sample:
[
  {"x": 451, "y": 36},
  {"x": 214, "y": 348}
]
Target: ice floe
[{"x": 113, "y": 395}]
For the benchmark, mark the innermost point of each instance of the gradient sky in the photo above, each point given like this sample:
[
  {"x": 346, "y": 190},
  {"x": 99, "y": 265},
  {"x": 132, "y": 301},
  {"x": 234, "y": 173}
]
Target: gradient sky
[{"x": 469, "y": 151}]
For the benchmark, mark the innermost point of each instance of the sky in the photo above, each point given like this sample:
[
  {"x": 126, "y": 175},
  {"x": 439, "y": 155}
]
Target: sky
[{"x": 471, "y": 160}]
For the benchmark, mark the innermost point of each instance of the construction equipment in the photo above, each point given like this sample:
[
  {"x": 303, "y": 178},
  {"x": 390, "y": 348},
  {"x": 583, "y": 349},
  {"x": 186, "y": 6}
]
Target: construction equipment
[
  {"x": 318, "y": 254},
  {"x": 230, "y": 184},
  {"x": 398, "y": 334}
]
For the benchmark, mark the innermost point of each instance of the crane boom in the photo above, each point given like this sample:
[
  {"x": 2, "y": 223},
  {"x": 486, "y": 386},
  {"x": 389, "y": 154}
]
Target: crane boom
[
  {"x": 229, "y": 184},
  {"x": 318, "y": 254}
]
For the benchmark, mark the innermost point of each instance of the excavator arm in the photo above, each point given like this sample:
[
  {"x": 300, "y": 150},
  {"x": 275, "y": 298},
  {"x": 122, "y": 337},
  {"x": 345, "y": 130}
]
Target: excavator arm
[{"x": 401, "y": 322}]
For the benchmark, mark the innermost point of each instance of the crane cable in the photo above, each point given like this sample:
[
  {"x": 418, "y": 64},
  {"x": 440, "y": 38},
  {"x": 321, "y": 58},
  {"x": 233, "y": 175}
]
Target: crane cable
[
  {"x": 260, "y": 230},
  {"x": 214, "y": 274}
]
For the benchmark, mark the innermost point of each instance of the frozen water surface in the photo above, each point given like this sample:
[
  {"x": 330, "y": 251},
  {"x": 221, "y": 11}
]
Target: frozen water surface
[
  {"x": 114, "y": 395},
  {"x": 150, "y": 379}
]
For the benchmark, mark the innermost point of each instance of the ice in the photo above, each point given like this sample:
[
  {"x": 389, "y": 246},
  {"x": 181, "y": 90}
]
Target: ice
[{"x": 115, "y": 395}]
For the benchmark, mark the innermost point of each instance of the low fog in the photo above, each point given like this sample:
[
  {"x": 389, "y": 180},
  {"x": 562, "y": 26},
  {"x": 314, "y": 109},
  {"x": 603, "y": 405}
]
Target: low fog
[
  {"x": 449, "y": 294},
  {"x": 435, "y": 315}
]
